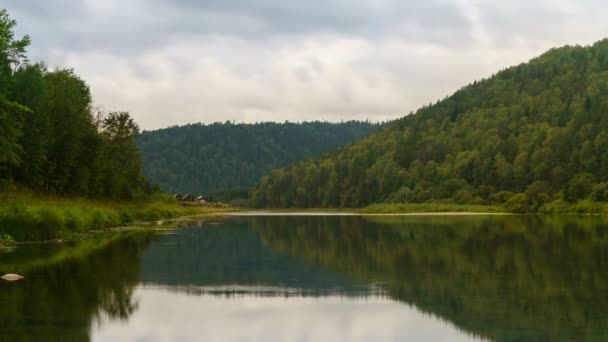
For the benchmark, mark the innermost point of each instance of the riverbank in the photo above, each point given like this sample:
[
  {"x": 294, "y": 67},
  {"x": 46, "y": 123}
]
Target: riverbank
[
  {"x": 430, "y": 208},
  {"x": 31, "y": 217},
  {"x": 584, "y": 207}
]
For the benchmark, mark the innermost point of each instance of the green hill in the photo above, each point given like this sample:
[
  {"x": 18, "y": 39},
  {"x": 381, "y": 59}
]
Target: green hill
[
  {"x": 529, "y": 135},
  {"x": 224, "y": 156}
]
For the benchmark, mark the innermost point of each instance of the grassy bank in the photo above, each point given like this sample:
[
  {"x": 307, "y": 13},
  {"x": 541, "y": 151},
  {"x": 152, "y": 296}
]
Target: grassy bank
[
  {"x": 30, "y": 217},
  {"x": 404, "y": 208},
  {"x": 581, "y": 207}
]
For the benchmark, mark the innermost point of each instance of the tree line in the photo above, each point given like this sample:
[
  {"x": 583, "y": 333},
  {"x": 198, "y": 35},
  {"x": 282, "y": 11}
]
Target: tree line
[
  {"x": 227, "y": 159},
  {"x": 50, "y": 139},
  {"x": 530, "y": 135}
]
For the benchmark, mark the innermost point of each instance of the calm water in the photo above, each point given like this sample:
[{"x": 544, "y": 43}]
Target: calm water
[{"x": 318, "y": 278}]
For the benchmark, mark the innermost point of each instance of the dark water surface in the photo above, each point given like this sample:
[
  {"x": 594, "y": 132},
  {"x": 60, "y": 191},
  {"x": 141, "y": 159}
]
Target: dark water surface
[{"x": 318, "y": 278}]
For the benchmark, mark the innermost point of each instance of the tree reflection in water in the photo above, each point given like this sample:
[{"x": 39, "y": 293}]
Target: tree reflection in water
[
  {"x": 505, "y": 278},
  {"x": 60, "y": 301}
]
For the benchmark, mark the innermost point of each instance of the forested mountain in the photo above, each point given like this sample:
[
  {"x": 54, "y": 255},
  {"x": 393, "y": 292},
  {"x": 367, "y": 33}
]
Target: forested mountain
[
  {"x": 49, "y": 139},
  {"x": 225, "y": 156},
  {"x": 531, "y": 134}
]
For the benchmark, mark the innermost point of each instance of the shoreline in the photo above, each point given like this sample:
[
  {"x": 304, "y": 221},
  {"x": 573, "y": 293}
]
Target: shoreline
[{"x": 355, "y": 213}]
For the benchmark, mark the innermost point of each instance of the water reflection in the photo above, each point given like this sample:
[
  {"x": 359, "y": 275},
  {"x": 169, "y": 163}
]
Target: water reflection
[
  {"x": 503, "y": 278},
  {"x": 230, "y": 259},
  {"x": 514, "y": 278},
  {"x": 66, "y": 292},
  {"x": 170, "y": 316}
]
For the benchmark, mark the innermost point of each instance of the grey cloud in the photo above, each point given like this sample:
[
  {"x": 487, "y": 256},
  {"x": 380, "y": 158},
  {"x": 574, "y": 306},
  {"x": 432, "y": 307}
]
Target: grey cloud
[
  {"x": 46, "y": 9},
  {"x": 357, "y": 16},
  {"x": 127, "y": 27},
  {"x": 180, "y": 61}
]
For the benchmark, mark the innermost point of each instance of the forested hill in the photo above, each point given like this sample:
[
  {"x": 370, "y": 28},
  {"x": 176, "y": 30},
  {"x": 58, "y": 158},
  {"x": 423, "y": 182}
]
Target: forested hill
[
  {"x": 217, "y": 157},
  {"x": 531, "y": 134}
]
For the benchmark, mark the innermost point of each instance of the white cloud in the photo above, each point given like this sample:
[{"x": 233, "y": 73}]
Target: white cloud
[
  {"x": 179, "y": 62},
  {"x": 167, "y": 316}
]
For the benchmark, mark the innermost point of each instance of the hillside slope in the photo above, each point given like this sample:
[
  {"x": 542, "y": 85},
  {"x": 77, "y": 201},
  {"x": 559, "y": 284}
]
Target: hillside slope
[
  {"x": 225, "y": 156},
  {"x": 539, "y": 129}
]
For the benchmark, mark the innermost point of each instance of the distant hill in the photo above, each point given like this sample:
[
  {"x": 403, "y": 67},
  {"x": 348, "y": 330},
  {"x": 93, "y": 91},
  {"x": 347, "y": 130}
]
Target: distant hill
[
  {"x": 220, "y": 157},
  {"x": 531, "y": 134}
]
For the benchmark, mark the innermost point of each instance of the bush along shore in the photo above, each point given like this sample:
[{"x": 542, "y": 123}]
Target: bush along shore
[
  {"x": 515, "y": 204},
  {"x": 31, "y": 217}
]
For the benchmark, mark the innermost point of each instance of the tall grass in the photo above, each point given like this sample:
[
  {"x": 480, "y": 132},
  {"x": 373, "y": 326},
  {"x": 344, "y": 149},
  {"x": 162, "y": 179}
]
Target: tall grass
[{"x": 29, "y": 217}]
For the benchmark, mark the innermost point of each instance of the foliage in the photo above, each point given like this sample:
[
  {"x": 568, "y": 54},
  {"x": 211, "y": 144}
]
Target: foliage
[
  {"x": 537, "y": 131},
  {"x": 49, "y": 139},
  {"x": 6, "y": 240},
  {"x": 11, "y": 123},
  {"x": 71, "y": 287},
  {"x": 29, "y": 217},
  {"x": 520, "y": 203},
  {"x": 12, "y": 51},
  {"x": 579, "y": 187},
  {"x": 385, "y": 208},
  {"x": 222, "y": 158}
]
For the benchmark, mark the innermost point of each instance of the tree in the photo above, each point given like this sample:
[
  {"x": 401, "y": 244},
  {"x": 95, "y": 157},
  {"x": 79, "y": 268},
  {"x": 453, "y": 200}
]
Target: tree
[
  {"x": 70, "y": 122},
  {"x": 119, "y": 164},
  {"x": 12, "y": 51},
  {"x": 29, "y": 89},
  {"x": 579, "y": 187},
  {"x": 11, "y": 122}
]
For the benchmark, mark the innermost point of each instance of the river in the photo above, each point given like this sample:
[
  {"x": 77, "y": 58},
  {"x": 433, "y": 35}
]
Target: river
[{"x": 318, "y": 278}]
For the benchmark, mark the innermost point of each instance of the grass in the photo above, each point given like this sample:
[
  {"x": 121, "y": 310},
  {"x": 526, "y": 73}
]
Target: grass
[
  {"x": 26, "y": 216},
  {"x": 404, "y": 208}
]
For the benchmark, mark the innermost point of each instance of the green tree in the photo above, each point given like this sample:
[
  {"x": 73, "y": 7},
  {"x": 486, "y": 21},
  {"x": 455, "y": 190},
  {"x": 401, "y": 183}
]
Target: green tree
[
  {"x": 69, "y": 110},
  {"x": 11, "y": 122},
  {"x": 29, "y": 89},
  {"x": 120, "y": 167},
  {"x": 12, "y": 51},
  {"x": 579, "y": 187}
]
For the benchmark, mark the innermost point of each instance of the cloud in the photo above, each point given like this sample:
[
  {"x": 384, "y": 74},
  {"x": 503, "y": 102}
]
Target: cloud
[
  {"x": 166, "y": 316},
  {"x": 179, "y": 61}
]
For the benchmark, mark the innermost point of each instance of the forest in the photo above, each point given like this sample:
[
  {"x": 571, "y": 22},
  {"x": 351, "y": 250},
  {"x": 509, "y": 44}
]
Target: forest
[
  {"x": 531, "y": 138},
  {"x": 227, "y": 159},
  {"x": 51, "y": 141}
]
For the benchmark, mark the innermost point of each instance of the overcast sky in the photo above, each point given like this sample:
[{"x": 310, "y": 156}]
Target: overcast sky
[{"x": 171, "y": 62}]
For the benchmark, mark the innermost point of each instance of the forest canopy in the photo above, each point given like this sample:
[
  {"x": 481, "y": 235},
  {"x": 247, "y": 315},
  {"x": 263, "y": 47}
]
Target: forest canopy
[
  {"x": 531, "y": 134},
  {"x": 228, "y": 157}
]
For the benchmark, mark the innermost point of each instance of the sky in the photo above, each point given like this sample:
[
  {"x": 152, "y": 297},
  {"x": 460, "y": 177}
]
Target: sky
[{"x": 173, "y": 62}]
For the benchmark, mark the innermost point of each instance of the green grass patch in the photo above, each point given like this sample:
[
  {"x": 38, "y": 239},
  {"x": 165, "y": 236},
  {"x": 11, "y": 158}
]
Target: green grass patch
[{"x": 26, "y": 216}]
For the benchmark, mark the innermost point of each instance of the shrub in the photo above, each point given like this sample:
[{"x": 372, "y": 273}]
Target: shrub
[
  {"x": 520, "y": 203},
  {"x": 501, "y": 197},
  {"x": 462, "y": 197},
  {"x": 403, "y": 195},
  {"x": 579, "y": 187},
  {"x": 538, "y": 191},
  {"x": 6, "y": 239}
]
